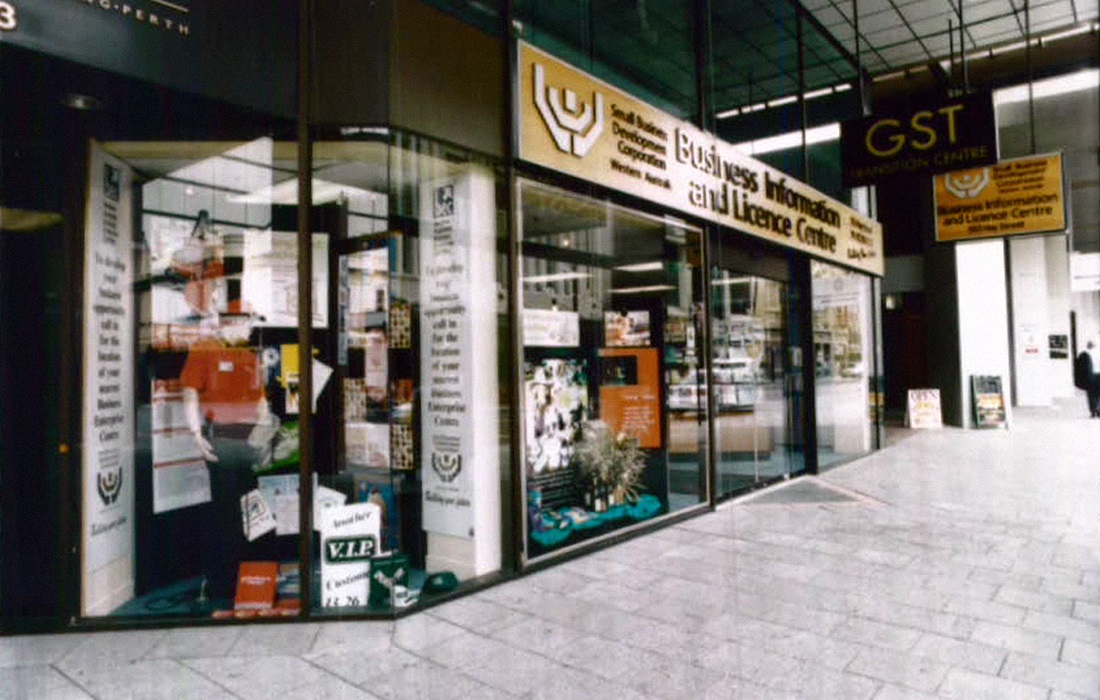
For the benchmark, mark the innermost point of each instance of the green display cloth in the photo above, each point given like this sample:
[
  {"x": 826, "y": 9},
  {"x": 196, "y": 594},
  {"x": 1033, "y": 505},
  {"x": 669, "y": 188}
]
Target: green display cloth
[{"x": 646, "y": 507}]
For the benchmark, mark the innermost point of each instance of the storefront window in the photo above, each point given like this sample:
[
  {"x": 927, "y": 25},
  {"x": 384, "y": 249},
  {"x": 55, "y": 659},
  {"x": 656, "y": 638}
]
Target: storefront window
[
  {"x": 843, "y": 363},
  {"x": 614, "y": 421},
  {"x": 407, "y": 502},
  {"x": 190, "y": 410}
]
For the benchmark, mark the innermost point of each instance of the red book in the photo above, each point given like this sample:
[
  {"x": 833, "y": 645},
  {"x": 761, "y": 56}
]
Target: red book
[{"x": 256, "y": 585}]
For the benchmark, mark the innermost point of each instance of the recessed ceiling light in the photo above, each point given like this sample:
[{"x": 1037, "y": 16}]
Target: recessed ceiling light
[{"x": 85, "y": 103}]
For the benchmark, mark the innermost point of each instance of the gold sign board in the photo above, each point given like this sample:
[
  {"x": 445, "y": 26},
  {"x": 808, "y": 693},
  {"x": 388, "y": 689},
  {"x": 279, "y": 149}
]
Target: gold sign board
[
  {"x": 581, "y": 126},
  {"x": 1011, "y": 198}
]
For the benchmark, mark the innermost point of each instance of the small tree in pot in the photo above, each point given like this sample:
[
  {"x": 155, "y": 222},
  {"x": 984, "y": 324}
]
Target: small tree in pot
[{"x": 609, "y": 465}]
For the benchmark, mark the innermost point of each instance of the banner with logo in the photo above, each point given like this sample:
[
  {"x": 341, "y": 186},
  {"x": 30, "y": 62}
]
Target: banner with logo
[
  {"x": 579, "y": 125},
  {"x": 458, "y": 353},
  {"x": 108, "y": 430},
  {"x": 1014, "y": 197}
]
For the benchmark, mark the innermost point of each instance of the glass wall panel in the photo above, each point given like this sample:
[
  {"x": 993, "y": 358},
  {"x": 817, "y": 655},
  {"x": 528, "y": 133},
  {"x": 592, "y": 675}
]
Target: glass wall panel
[
  {"x": 645, "y": 48},
  {"x": 408, "y": 502},
  {"x": 614, "y": 404},
  {"x": 844, "y": 363}
]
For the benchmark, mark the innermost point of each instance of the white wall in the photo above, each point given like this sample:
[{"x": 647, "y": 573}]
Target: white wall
[
  {"x": 1058, "y": 301},
  {"x": 1031, "y": 321},
  {"x": 983, "y": 318}
]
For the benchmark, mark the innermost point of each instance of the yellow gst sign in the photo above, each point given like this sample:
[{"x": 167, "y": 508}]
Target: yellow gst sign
[{"x": 923, "y": 131}]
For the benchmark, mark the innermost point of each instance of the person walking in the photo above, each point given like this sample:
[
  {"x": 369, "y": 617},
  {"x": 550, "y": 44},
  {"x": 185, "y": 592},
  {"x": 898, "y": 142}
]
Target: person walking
[{"x": 1086, "y": 377}]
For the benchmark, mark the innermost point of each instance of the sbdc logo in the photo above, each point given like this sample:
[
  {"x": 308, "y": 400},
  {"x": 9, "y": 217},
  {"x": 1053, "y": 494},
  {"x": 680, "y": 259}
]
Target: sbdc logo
[{"x": 573, "y": 125}]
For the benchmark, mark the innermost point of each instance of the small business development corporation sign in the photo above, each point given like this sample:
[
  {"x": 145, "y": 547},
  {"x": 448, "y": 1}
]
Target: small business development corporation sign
[{"x": 1015, "y": 197}]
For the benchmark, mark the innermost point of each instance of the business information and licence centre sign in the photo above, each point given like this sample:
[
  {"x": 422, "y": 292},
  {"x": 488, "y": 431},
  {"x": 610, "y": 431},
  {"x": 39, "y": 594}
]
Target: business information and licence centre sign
[{"x": 581, "y": 126}]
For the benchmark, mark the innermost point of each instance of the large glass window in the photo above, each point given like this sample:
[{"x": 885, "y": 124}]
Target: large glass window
[
  {"x": 844, "y": 363},
  {"x": 645, "y": 48},
  {"x": 614, "y": 416},
  {"x": 408, "y": 501}
]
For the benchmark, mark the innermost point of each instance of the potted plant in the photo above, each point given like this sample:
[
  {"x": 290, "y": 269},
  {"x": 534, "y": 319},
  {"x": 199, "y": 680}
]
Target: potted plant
[{"x": 609, "y": 466}]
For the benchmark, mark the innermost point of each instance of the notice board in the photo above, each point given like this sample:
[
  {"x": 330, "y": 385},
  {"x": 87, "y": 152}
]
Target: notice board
[{"x": 989, "y": 401}]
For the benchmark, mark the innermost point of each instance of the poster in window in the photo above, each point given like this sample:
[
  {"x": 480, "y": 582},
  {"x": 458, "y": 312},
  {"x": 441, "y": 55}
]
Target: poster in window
[
  {"x": 630, "y": 393},
  {"x": 626, "y": 329}
]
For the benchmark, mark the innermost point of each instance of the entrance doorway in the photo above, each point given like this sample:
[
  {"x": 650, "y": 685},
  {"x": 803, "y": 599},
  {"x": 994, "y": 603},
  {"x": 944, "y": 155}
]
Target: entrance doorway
[{"x": 754, "y": 371}]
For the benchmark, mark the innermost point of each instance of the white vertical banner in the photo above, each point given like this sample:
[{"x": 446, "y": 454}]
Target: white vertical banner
[
  {"x": 458, "y": 346},
  {"x": 108, "y": 429}
]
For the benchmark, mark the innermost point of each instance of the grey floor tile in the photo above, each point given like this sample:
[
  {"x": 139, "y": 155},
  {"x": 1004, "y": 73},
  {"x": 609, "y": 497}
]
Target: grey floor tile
[
  {"x": 258, "y": 677},
  {"x": 578, "y": 685},
  {"x": 961, "y": 684},
  {"x": 1061, "y": 625},
  {"x": 1032, "y": 600},
  {"x": 359, "y": 667},
  {"x": 536, "y": 634},
  {"x": 464, "y": 650},
  {"x": 877, "y": 634},
  {"x": 428, "y": 680},
  {"x": 36, "y": 682},
  {"x": 474, "y": 613},
  {"x": 360, "y": 636},
  {"x": 191, "y": 642},
  {"x": 972, "y": 656},
  {"x": 37, "y": 650},
  {"x": 1070, "y": 678},
  {"x": 1080, "y": 653},
  {"x": 889, "y": 691},
  {"x": 909, "y": 670},
  {"x": 1017, "y": 639},
  {"x": 283, "y": 639},
  {"x": 148, "y": 680},
  {"x": 109, "y": 648},
  {"x": 422, "y": 631}
]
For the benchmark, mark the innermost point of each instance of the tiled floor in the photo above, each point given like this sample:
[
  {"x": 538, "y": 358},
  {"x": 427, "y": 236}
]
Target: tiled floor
[{"x": 956, "y": 564}]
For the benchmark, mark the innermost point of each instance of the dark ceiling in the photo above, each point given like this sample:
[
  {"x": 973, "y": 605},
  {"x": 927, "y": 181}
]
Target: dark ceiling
[{"x": 755, "y": 42}]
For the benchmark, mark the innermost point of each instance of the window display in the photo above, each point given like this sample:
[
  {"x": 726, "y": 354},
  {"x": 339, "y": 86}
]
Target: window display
[
  {"x": 610, "y": 300},
  {"x": 418, "y": 436}
]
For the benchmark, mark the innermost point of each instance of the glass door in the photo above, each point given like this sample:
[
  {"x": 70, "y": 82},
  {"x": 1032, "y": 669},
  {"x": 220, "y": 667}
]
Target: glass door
[{"x": 752, "y": 376}]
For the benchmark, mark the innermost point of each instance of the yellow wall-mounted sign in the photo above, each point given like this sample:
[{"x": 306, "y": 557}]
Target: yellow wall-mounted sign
[
  {"x": 576, "y": 124},
  {"x": 1014, "y": 197}
]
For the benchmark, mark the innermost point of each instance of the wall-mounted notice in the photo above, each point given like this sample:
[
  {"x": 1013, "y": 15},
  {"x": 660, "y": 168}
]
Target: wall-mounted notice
[
  {"x": 989, "y": 401},
  {"x": 551, "y": 329},
  {"x": 924, "y": 409},
  {"x": 108, "y": 432}
]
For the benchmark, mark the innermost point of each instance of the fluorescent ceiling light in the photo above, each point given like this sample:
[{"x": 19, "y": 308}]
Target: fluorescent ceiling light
[
  {"x": 642, "y": 267},
  {"x": 779, "y": 101},
  {"x": 793, "y": 139},
  {"x": 639, "y": 290},
  {"x": 730, "y": 281},
  {"x": 557, "y": 277},
  {"x": 1072, "y": 82},
  {"x": 286, "y": 192}
]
